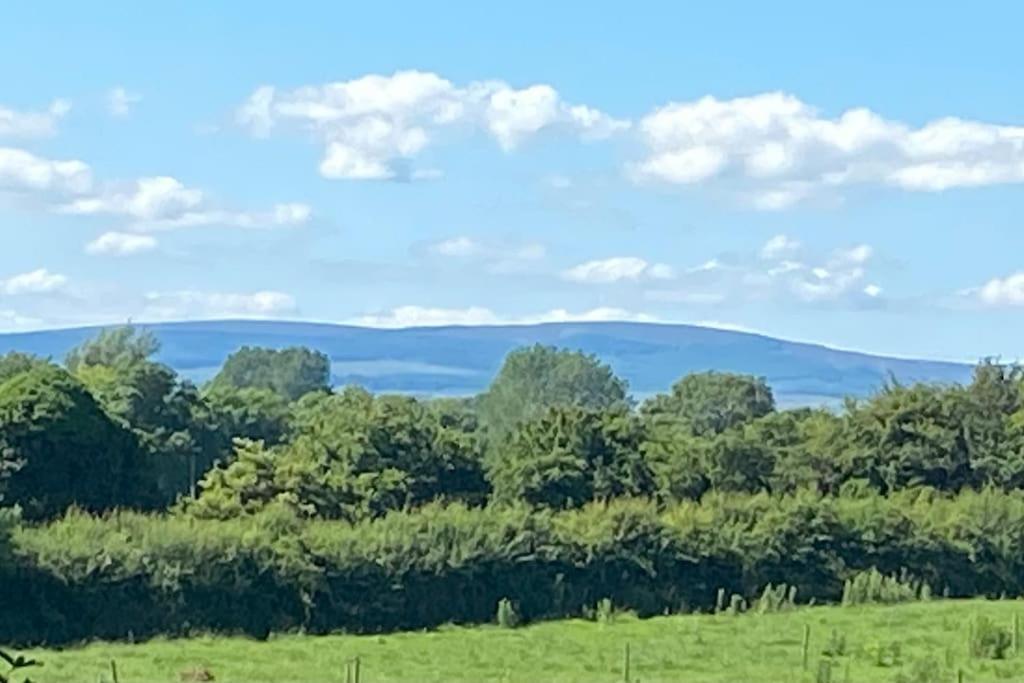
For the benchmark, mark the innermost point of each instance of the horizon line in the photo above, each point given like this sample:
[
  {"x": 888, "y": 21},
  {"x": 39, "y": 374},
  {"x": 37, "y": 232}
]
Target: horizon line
[{"x": 737, "y": 329}]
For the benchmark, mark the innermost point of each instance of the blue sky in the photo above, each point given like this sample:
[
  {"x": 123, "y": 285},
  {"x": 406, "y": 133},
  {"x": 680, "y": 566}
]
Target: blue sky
[{"x": 845, "y": 175}]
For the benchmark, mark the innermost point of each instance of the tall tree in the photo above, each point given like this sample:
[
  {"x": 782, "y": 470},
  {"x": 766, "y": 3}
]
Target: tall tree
[
  {"x": 709, "y": 403},
  {"x": 292, "y": 372},
  {"x": 536, "y": 378},
  {"x": 61, "y": 448},
  {"x": 569, "y": 456},
  {"x": 166, "y": 413},
  {"x": 352, "y": 456}
]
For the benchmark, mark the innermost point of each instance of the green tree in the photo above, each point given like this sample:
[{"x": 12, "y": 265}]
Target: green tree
[
  {"x": 243, "y": 485},
  {"x": 15, "y": 363},
  {"x": 166, "y": 414},
  {"x": 709, "y": 403},
  {"x": 676, "y": 458},
  {"x": 569, "y": 456},
  {"x": 536, "y": 378},
  {"x": 992, "y": 415},
  {"x": 253, "y": 414},
  {"x": 291, "y": 372},
  {"x": 905, "y": 436},
  {"x": 61, "y": 447},
  {"x": 123, "y": 346},
  {"x": 352, "y": 456},
  {"x": 804, "y": 442}
]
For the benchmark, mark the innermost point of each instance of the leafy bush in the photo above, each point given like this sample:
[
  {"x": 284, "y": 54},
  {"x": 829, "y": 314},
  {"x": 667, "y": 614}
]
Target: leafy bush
[
  {"x": 988, "y": 640},
  {"x": 871, "y": 586},
  {"x": 105, "y": 577},
  {"x": 506, "y": 616},
  {"x": 776, "y": 599}
]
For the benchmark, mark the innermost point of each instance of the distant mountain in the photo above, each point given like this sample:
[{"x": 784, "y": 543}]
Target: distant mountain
[{"x": 462, "y": 360}]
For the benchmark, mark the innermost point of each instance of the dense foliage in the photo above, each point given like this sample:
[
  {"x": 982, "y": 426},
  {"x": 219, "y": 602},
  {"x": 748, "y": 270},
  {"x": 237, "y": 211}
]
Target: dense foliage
[
  {"x": 132, "y": 574},
  {"x": 331, "y": 509},
  {"x": 539, "y": 377},
  {"x": 291, "y": 373},
  {"x": 58, "y": 448}
]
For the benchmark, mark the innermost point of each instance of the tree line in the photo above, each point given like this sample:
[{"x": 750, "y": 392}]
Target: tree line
[
  {"x": 113, "y": 428},
  {"x": 124, "y": 484}
]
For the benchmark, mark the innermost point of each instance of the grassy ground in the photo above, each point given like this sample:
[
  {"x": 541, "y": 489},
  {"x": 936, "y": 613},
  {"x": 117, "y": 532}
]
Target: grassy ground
[{"x": 914, "y": 643}]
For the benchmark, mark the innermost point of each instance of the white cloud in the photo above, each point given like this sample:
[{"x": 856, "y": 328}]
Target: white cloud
[
  {"x": 500, "y": 257},
  {"x": 40, "y": 281},
  {"x": 840, "y": 278},
  {"x": 163, "y": 202},
  {"x": 873, "y": 291},
  {"x": 778, "y": 247},
  {"x": 707, "y": 266},
  {"x": 373, "y": 125},
  {"x": 120, "y": 102},
  {"x": 17, "y": 124},
  {"x": 121, "y": 243},
  {"x": 858, "y": 254},
  {"x": 617, "y": 268},
  {"x": 687, "y": 296},
  {"x": 22, "y": 171},
  {"x": 192, "y": 304},
  {"x": 779, "y": 150},
  {"x": 150, "y": 203},
  {"x": 457, "y": 246},
  {"x": 12, "y": 321},
  {"x": 730, "y": 327},
  {"x": 999, "y": 292},
  {"x": 419, "y": 316}
]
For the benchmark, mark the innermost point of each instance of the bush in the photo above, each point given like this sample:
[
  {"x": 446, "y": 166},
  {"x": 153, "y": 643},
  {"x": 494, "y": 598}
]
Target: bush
[
  {"x": 874, "y": 587},
  {"x": 507, "y": 617},
  {"x": 85, "y": 577},
  {"x": 989, "y": 641}
]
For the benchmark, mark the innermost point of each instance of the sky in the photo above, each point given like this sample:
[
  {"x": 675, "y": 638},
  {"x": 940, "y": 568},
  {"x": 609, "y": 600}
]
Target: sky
[{"x": 845, "y": 174}]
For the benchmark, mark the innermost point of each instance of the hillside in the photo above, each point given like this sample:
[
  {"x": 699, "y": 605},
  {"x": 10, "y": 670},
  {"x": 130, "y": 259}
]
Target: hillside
[{"x": 462, "y": 360}]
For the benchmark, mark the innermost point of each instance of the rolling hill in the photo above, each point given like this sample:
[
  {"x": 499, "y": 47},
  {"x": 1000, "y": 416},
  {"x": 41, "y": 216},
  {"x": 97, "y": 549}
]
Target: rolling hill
[{"x": 462, "y": 360}]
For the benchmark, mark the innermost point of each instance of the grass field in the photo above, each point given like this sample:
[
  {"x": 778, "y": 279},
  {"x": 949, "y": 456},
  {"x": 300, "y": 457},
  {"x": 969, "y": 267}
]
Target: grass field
[{"x": 915, "y": 643}]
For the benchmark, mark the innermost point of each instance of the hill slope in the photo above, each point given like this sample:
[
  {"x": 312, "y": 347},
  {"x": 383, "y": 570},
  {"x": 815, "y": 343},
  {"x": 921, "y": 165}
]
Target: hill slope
[{"x": 462, "y": 360}]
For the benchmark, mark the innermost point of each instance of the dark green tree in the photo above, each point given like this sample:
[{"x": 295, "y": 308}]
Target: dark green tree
[
  {"x": 61, "y": 447},
  {"x": 291, "y": 372},
  {"x": 253, "y": 414},
  {"x": 709, "y": 403},
  {"x": 569, "y": 456},
  {"x": 353, "y": 456},
  {"x": 536, "y": 378},
  {"x": 15, "y": 363},
  {"x": 905, "y": 436},
  {"x": 166, "y": 414}
]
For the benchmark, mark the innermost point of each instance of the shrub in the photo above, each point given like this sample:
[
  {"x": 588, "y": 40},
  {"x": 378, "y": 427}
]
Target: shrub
[
  {"x": 874, "y": 587},
  {"x": 988, "y": 640},
  {"x": 507, "y": 617}
]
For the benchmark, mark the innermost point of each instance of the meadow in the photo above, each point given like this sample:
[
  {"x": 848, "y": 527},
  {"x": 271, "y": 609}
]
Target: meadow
[{"x": 918, "y": 642}]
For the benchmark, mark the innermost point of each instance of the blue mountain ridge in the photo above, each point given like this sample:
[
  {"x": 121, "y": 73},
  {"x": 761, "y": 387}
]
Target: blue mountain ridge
[{"x": 452, "y": 361}]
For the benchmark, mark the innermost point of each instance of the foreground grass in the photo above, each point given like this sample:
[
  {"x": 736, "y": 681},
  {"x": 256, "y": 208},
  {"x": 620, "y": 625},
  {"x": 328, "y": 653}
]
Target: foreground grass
[{"x": 913, "y": 643}]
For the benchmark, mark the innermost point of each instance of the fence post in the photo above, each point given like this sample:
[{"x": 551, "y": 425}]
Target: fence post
[
  {"x": 625, "y": 665},
  {"x": 806, "y": 647},
  {"x": 113, "y": 670}
]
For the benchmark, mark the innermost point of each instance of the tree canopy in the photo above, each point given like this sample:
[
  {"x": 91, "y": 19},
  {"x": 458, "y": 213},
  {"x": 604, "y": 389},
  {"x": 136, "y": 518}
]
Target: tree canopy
[
  {"x": 536, "y": 378},
  {"x": 61, "y": 448},
  {"x": 711, "y": 402},
  {"x": 291, "y": 372}
]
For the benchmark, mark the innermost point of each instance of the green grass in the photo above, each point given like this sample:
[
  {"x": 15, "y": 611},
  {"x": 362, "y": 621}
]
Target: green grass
[{"x": 912, "y": 643}]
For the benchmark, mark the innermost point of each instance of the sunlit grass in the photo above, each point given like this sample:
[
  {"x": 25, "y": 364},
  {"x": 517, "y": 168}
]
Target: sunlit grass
[{"x": 916, "y": 643}]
